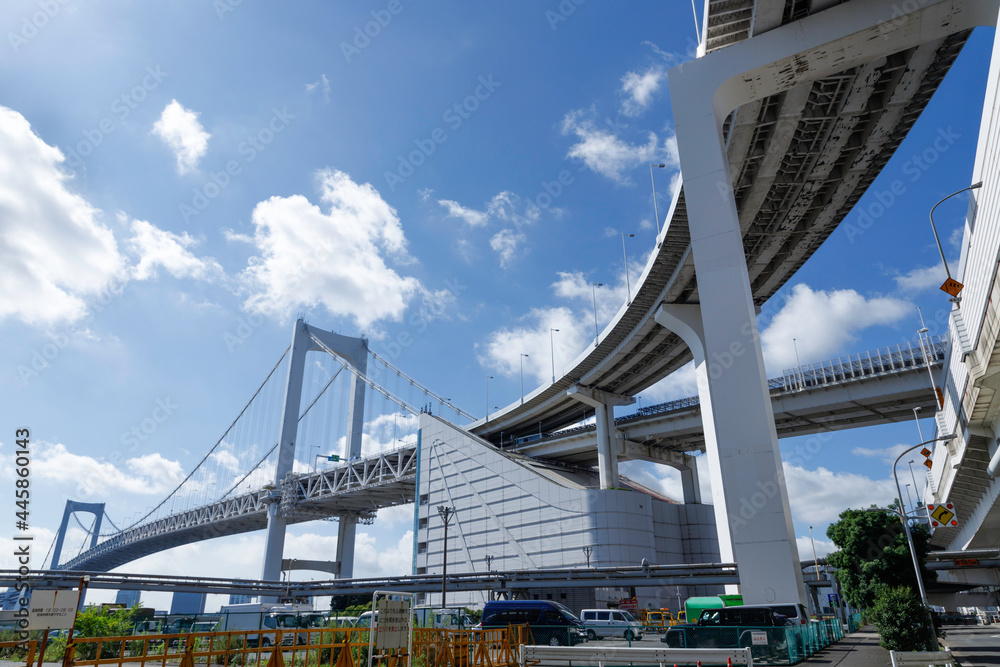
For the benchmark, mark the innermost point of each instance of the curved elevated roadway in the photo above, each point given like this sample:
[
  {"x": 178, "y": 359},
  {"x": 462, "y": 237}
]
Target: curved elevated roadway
[{"x": 800, "y": 161}]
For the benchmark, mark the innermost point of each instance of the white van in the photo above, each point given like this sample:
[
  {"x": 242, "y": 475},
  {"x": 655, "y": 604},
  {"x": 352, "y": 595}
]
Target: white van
[
  {"x": 267, "y": 616},
  {"x": 602, "y": 623}
]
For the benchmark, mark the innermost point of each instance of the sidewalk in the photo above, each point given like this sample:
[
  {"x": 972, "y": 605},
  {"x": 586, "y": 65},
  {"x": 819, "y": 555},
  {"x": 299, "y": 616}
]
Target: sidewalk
[{"x": 858, "y": 649}]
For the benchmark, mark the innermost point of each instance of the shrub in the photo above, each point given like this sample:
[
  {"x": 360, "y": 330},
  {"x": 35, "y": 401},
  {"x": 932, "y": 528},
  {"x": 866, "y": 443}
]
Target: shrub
[{"x": 901, "y": 620}]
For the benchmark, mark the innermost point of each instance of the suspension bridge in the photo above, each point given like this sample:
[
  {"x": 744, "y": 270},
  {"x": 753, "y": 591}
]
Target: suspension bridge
[{"x": 790, "y": 112}]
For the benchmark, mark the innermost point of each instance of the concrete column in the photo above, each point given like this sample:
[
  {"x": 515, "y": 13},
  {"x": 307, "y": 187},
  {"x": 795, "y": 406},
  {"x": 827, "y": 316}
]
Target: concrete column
[
  {"x": 345, "y": 546},
  {"x": 603, "y": 403},
  {"x": 690, "y": 484}
]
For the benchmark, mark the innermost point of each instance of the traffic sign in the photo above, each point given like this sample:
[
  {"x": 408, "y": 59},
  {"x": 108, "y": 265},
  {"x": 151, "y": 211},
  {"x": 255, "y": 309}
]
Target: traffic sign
[
  {"x": 952, "y": 287},
  {"x": 942, "y": 515},
  {"x": 834, "y": 599}
]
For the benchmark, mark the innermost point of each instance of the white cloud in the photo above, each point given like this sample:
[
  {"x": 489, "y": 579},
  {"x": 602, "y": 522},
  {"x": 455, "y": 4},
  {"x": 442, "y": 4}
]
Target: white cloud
[
  {"x": 922, "y": 278},
  {"x": 335, "y": 258},
  {"x": 639, "y": 90},
  {"x": 54, "y": 250},
  {"x": 323, "y": 85},
  {"x": 607, "y": 154},
  {"x": 150, "y": 474},
  {"x": 502, "y": 349},
  {"x": 823, "y": 323},
  {"x": 887, "y": 454},
  {"x": 156, "y": 247},
  {"x": 505, "y": 244},
  {"x": 805, "y": 547},
  {"x": 470, "y": 216},
  {"x": 180, "y": 130},
  {"x": 819, "y": 496}
]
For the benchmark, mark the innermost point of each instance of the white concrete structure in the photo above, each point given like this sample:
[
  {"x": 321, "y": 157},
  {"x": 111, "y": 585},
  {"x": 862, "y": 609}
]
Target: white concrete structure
[
  {"x": 965, "y": 468},
  {"x": 527, "y": 514}
]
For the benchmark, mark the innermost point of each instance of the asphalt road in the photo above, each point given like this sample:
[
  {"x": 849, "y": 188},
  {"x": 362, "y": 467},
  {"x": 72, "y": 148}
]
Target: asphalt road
[{"x": 974, "y": 645}]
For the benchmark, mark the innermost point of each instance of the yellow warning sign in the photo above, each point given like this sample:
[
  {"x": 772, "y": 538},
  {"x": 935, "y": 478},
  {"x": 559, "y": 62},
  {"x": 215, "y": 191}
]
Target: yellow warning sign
[
  {"x": 942, "y": 515},
  {"x": 952, "y": 286}
]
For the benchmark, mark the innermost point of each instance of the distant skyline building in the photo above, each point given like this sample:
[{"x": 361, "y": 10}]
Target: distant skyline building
[
  {"x": 187, "y": 603},
  {"x": 128, "y": 598}
]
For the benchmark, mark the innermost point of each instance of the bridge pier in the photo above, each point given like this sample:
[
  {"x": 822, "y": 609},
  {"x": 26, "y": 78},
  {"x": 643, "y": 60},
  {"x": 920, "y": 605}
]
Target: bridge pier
[
  {"x": 604, "y": 403},
  {"x": 739, "y": 427}
]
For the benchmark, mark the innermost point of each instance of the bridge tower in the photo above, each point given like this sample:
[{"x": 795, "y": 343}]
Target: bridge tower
[
  {"x": 73, "y": 506},
  {"x": 355, "y": 352}
]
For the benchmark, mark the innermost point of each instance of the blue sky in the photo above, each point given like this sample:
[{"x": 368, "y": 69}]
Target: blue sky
[{"x": 168, "y": 168}]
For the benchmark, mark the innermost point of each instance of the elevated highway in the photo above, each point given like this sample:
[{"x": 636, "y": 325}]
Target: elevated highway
[{"x": 799, "y": 160}]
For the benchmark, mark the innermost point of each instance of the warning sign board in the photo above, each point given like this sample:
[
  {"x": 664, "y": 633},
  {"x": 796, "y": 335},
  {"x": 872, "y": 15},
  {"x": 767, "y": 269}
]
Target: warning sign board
[
  {"x": 52, "y": 610},
  {"x": 758, "y": 637},
  {"x": 952, "y": 287},
  {"x": 942, "y": 515},
  {"x": 392, "y": 625}
]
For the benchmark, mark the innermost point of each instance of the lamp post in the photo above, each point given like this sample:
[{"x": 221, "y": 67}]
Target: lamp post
[
  {"x": 917, "y": 419},
  {"x": 906, "y": 528},
  {"x": 913, "y": 478},
  {"x": 815, "y": 557},
  {"x": 656, "y": 210},
  {"x": 446, "y": 514},
  {"x": 937, "y": 239},
  {"x": 628, "y": 286},
  {"x": 488, "y": 378},
  {"x": 521, "y": 363},
  {"x": 586, "y": 553},
  {"x": 908, "y": 499},
  {"x": 552, "y": 349},
  {"x": 593, "y": 289}
]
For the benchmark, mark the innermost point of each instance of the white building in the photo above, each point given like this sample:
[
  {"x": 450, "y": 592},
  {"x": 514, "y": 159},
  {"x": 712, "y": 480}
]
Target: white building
[{"x": 527, "y": 514}]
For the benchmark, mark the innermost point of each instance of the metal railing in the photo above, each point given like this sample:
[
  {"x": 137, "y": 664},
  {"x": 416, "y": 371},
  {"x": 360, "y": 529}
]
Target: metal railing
[
  {"x": 787, "y": 644},
  {"x": 333, "y": 647}
]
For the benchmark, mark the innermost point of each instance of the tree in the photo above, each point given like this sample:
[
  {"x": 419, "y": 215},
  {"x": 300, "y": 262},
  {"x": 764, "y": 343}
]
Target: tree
[
  {"x": 901, "y": 620},
  {"x": 873, "y": 554}
]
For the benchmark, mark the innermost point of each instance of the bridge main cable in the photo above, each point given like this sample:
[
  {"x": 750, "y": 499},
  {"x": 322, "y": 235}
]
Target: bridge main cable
[{"x": 440, "y": 399}]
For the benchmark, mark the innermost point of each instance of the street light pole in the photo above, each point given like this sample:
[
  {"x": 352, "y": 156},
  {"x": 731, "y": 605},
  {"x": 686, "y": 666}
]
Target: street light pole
[
  {"x": 628, "y": 286},
  {"x": 917, "y": 419},
  {"x": 593, "y": 289},
  {"x": 552, "y": 349},
  {"x": 488, "y": 378},
  {"x": 909, "y": 535},
  {"x": 520, "y": 362},
  {"x": 446, "y": 514},
  {"x": 934, "y": 227},
  {"x": 913, "y": 478},
  {"x": 656, "y": 210}
]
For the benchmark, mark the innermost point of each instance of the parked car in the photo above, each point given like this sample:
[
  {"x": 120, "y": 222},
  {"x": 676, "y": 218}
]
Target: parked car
[
  {"x": 603, "y": 623},
  {"x": 550, "y": 622}
]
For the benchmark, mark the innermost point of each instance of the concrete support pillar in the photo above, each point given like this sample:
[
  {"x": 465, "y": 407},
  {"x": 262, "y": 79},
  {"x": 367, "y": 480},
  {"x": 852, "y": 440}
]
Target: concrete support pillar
[
  {"x": 604, "y": 404},
  {"x": 690, "y": 484}
]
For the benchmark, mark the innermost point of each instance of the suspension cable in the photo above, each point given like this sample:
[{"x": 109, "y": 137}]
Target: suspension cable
[
  {"x": 440, "y": 399},
  {"x": 343, "y": 365},
  {"x": 205, "y": 458},
  {"x": 361, "y": 376}
]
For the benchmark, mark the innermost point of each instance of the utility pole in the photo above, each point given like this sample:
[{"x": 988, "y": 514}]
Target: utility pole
[{"x": 446, "y": 514}]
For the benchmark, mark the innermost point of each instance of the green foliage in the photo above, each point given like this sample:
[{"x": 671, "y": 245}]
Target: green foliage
[
  {"x": 901, "y": 620},
  {"x": 346, "y": 602},
  {"x": 873, "y": 554},
  {"x": 101, "y": 622}
]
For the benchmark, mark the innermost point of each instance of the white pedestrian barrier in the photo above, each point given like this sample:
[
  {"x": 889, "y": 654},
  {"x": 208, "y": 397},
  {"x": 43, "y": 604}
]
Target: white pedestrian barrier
[
  {"x": 634, "y": 655},
  {"x": 922, "y": 658}
]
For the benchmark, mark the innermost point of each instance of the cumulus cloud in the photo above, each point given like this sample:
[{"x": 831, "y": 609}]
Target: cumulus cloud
[
  {"x": 55, "y": 251},
  {"x": 180, "y": 130},
  {"x": 158, "y": 248},
  {"x": 922, "y": 278},
  {"x": 638, "y": 90},
  {"x": 149, "y": 475},
  {"x": 823, "y": 323},
  {"x": 502, "y": 349},
  {"x": 505, "y": 244},
  {"x": 805, "y": 547},
  {"x": 819, "y": 496},
  {"x": 605, "y": 153},
  {"x": 469, "y": 216},
  {"x": 886, "y": 454},
  {"x": 335, "y": 258}
]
